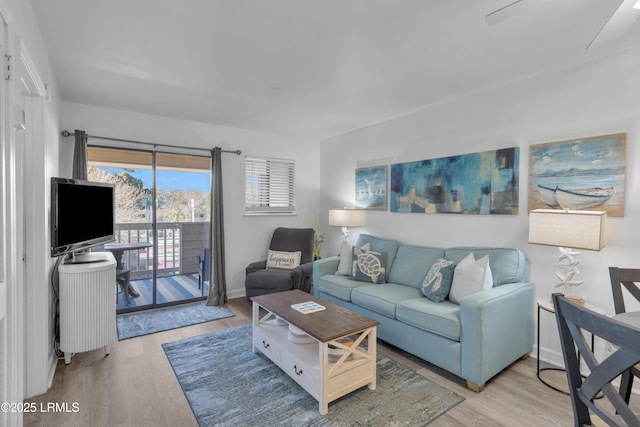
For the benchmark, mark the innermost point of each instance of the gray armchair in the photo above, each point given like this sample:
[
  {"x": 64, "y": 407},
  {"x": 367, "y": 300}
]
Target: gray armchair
[{"x": 260, "y": 280}]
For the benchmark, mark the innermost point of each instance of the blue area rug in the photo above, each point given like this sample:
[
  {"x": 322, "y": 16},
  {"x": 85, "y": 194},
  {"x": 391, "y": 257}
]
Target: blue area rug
[
  {"x": 226, "y": 384},
  {"x": 148, "y": 322}
]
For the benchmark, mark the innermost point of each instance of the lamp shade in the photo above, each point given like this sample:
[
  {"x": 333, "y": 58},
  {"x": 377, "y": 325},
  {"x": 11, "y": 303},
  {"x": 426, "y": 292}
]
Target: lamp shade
[
  {"x": 565, "y": 228},
  {"x": 346, "y": 217}
]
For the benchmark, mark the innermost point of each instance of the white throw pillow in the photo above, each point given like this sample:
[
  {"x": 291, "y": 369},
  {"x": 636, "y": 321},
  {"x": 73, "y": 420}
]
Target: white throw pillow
[
  {"x": 470, "y": 277},
  {"x": 344, "y": 267},
  {"x": 281, "y": 260}
]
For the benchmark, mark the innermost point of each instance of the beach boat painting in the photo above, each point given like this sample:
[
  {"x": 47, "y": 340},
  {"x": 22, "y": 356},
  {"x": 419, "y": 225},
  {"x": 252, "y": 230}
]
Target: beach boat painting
[
  {"x": 580, "y": 174},
  {"x": 577, "y": 198}
]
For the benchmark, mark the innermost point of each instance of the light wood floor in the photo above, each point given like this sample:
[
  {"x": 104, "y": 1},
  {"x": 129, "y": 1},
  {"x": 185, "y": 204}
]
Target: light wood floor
[{"x": 136, "y": 386}]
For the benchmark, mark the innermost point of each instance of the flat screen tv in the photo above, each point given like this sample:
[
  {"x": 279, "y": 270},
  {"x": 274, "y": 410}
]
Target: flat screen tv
[{"x": 82, "y": 215}]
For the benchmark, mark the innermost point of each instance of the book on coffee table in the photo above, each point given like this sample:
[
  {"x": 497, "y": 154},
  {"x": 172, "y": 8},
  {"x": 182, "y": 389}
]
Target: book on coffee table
[{"x": 307, "y": 307}]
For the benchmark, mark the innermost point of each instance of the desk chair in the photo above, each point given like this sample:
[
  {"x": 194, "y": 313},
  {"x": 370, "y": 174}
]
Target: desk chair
[
  {"x": 627, "y": 278},
  {"x": 122, "y": 277},
  {"x": 122, "y": 280},
  {"x": 575, "y": 324},
  {"x": 203, "y": 268}
]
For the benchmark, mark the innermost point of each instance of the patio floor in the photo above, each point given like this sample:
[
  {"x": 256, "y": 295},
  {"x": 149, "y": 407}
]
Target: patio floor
[{"x": 170, "y": 289}]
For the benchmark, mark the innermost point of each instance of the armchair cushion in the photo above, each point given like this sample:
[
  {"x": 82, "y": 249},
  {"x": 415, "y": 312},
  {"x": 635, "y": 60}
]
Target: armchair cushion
[{"x": 283, "y": 260}]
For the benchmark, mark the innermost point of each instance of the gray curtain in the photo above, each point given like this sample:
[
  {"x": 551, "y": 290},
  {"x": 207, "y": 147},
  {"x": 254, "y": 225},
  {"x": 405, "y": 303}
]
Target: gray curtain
[
  {"x": 217, "y": 282},
  {"x": 80, "y": 155}
]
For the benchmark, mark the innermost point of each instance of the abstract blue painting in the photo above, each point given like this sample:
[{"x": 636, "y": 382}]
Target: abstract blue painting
[
  {"x": 479, "y": 183},
  {"x": 371, "y": 188}
]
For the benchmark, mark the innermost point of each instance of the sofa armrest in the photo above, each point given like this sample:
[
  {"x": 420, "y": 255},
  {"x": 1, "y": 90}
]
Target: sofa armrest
[
  {"x": 255, "y": 266},
  {"x": 497, "y": 328},
  {"x": 322, "y": 267},
  {"x": 302, "y": 275},
  {"x": 307, "y": 268}
]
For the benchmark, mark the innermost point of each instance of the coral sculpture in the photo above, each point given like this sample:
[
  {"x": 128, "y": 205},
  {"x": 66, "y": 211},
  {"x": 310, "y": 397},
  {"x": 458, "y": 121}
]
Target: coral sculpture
[{"x": 568, "y": 264}]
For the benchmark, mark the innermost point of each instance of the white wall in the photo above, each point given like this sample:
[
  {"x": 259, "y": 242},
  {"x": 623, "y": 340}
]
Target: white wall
[
  {"x": 591, "y": 99},
  {"x": 246, "y": 237},
  {"x": 30, "y": 322}
]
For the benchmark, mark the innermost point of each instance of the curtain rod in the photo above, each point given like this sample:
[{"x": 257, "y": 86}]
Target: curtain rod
[{"x": 66, "y": 133}]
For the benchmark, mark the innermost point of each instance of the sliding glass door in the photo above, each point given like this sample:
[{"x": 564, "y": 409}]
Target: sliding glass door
[
  {"x": 183, "y": 185},
  {"x": 162, "y": 223}
]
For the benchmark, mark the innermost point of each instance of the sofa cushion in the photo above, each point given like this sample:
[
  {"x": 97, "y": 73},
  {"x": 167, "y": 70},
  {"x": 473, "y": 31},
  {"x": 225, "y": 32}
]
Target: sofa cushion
[
  {"x": 368, "y": 266},
  {"x": 412, "y": 263},
  {"x": 470, "y": 276},
  {"x": 439, "y": 318},
  {"x": 437, "y": 282},
  {"x": 338, "y": 286},
  {"x": 383, "y": 299},
  {"x": 383, "y": 246},
  {"x": 508, "y": 265}
]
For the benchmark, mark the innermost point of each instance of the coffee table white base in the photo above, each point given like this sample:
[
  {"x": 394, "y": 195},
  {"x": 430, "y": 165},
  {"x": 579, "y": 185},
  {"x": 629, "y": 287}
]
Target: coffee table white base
[{"x": 309, "y": 364}]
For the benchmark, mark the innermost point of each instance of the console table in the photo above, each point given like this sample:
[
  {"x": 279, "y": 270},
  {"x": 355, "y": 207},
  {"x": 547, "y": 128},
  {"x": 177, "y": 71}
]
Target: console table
[{"x": 310, "y": 365}]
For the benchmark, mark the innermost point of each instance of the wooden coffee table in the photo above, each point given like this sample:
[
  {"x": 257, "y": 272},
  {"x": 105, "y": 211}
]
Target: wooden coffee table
[{"x": 341, "y": 355}]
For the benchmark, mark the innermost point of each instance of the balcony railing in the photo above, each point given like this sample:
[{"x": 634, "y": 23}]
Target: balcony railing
[{"x": 178, "y": 244}]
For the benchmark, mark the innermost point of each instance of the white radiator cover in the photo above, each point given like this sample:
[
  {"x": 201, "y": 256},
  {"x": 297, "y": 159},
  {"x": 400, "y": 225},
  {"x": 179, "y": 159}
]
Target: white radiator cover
[{"x": 88, "y": 305}]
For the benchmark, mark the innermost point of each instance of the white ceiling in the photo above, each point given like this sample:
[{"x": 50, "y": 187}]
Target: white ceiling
[{"x": 313, "y": 68}]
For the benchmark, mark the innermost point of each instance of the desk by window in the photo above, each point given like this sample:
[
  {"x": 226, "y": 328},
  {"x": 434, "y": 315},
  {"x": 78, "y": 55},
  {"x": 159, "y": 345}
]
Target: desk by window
[{"x": 118, "y": 250}]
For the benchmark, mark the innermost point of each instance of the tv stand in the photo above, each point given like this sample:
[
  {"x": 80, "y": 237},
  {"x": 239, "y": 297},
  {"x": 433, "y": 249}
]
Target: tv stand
[
  {"x": 84, "y": 258},
  {"x": 87, "y": 305}
]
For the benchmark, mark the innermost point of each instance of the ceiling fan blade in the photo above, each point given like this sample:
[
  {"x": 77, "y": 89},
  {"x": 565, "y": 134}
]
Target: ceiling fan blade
[
  {"x": 618, "y": 24},
  {"x": 505, "y": 12}
]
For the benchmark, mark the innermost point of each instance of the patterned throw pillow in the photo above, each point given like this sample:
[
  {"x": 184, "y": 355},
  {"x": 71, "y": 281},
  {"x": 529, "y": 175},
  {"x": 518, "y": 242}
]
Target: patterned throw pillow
[
  {"x": 346, "y": 254},
  {"x": 437, "y": 282},
  {"x": 281, "y": 260},
  {"x": 368, "y": 266}
]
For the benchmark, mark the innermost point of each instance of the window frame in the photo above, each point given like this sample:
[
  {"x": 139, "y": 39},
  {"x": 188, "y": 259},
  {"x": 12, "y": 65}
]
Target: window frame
[{"x": 269, "y": 186}]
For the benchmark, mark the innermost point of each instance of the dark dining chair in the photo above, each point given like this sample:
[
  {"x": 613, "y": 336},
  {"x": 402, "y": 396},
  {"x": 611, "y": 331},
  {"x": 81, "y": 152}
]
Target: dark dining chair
[
  {"x": 625, "y": 278},
  {"x": 594, "y": 392}
]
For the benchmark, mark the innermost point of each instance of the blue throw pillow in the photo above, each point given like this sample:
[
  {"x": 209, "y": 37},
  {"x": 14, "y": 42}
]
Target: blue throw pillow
[
  {"x": 368, "y": 266},
  {"x": 437, "y": 282}
]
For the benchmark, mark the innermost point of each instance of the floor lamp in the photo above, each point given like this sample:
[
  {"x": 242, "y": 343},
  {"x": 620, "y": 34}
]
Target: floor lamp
[{"x": 568, "y": 230}]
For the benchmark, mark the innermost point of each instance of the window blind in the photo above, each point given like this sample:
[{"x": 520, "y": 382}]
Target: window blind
[{"x": 269, "y": 185}]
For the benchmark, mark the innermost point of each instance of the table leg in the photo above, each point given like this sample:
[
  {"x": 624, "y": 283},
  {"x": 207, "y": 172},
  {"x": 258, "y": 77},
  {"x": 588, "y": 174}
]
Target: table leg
[
  {"x": 539, "y": 370},
  {"x": 372, "y": 340},
  {"x": 128, "y": 287},
  {"x": 123, "y": 281},
  {"x": 132, "y": 290}
]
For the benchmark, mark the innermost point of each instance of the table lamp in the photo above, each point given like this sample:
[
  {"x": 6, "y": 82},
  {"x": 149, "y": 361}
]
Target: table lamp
[
  {"x": 568, "y": 230},
  {"x": 346, "y": 218}
]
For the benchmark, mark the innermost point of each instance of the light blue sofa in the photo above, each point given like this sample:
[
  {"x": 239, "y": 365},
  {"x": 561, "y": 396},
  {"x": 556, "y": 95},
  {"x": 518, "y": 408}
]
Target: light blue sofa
[{"x": 474, "y": 340}]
